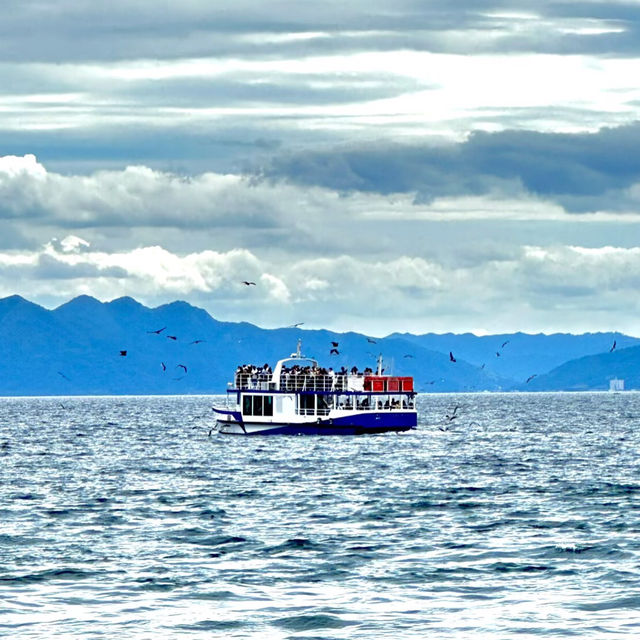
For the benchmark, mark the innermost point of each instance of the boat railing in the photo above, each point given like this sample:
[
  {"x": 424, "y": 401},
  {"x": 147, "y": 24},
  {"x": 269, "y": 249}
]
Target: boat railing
[
  {"x": 254, "y": 381},
  {"x": 296, "y": 382},
  {"x": 380, "y": 406},
  {"x": 309, "y": 382},
  {"x": 320, "y": 411},
  {"x": 290, "y": 381}
]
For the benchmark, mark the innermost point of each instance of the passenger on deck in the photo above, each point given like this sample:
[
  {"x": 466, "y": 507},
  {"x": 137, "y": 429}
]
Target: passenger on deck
[{"x": 332, "y": 377}]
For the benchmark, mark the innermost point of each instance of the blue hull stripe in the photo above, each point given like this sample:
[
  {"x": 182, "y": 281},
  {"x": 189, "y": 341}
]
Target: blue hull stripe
[{"x": 348, "y": 425}]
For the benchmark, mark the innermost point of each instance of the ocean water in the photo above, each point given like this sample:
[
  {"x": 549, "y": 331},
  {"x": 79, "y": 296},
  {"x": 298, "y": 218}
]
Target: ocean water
[{"x": 125, "y": 518}]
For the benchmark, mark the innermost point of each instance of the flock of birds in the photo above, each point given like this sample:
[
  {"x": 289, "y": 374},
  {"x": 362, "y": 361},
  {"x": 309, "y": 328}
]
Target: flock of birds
[
  {"x": 452, "y": 358},
  {"x": 123, "y": 353},
  {"x": 184, "y": 367},
  {"x": 333, "y": 351}
]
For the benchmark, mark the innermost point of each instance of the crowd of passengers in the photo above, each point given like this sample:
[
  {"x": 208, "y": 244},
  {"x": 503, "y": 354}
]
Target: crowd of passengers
[
  {"x": 314, "y": 370},
  {"x": 298, "y": 375},
  {"x": 252, "y": 370}
]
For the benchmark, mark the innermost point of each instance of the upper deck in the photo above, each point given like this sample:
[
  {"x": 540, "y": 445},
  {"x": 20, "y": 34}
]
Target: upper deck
[
  {"x": 301, "y": 374},
  {"x": 288, "y": 381}
]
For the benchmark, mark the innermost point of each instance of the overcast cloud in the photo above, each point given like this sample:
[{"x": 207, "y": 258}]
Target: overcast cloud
[{"x": 379, "y": 166}]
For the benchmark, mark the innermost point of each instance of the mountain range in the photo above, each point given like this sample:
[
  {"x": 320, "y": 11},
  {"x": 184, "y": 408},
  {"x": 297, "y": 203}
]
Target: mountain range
[{"x": 87, "y": 347}]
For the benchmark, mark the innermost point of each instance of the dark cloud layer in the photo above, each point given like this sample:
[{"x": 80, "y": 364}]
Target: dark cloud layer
[
  {"x": 578, "y": 171},
  {"x": 65, "y": 30}
]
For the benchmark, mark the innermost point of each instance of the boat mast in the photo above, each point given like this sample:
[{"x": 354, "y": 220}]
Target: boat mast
[
  {"x": 298, "y": 353},
  {"x": 380, "y": 365}
]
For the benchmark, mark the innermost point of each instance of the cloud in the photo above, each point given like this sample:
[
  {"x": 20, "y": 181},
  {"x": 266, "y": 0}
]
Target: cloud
[
  {"x": 65, "y": 30},
  {"x": 134, "y": 196},
  {"x": 584, "y": 172},
  {"x": 534, "y": 288},
  {"x": 114, "y": 211},
  {"x": 200, "y": 85}
]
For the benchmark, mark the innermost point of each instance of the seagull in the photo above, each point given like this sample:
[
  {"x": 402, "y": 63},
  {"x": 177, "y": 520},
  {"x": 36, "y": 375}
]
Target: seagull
[
  {"x": 164, "y": 366},
  {"x": 451, "y": 357},
  {"x": 182, "y": 367},
  {"x": 371, "y": 340},
  {"x": 530, "y": 378},
  {"x": 157, "y": 331},
  {"x": 334, "y": 344},
  {"x": 449, "y": 419},
  {"x": 248, "y": 283},
  {"x": 123, "y": 352},
  {"x": 294, "y": 326},
  {"x": 497, "y": 354},
  {"x": 172, "y": 337},
  {"x": 504, "y": 343},
  {"x": 197, "y": 341},
  {"x": 62, "y": 374},
  {"x": 408, "y": 355},
  {"x": 613, "y": 346},
  {"x": 334, "y": 351},
  {"x": 453, "y": 415}
]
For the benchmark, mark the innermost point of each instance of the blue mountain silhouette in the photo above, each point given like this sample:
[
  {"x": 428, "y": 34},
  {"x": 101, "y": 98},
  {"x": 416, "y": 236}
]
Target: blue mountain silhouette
[{"x": 76, "y": 349}]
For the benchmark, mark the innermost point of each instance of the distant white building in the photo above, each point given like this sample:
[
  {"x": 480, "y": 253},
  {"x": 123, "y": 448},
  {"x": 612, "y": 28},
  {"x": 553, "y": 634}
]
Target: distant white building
[{"x": 616, "y": 384}]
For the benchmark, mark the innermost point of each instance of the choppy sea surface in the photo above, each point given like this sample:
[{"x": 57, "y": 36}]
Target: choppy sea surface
[{"x": 125, "y": 518}]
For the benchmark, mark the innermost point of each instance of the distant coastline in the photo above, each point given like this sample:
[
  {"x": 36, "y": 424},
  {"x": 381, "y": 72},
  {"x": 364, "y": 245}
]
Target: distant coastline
[{"x": 90, "y": 348}]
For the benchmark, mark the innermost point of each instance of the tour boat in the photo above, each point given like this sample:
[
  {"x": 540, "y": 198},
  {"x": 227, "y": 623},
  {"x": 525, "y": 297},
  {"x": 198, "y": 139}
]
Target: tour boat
[{"x": 298, "y": 397}]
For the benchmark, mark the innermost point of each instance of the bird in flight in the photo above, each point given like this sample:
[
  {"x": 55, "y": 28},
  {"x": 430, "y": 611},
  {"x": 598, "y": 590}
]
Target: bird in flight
[
  {"x": 408, "y": 355},
  {"x": 181, "y": 366},
  {"x": 294, "y": 326},
  {"x": 613, "y": 346},
  {"x": 449, "y": 418},
  {"x": 530, "y": 378},
  {"x": 197, "y": 341},
  {"x": 497, "y": 354},
  {"x": 334, "y": 344},
  {"x": 506, "y": 342},
  {"x": 451, "y": 357},
  {"x": 62, "y": 374},
  {"x": 482, "y": 367},
  {"x": 248, "y": 283},
  {"x": 164, "y": 366},
  {"x": 371, "y": 340},
  {"x": 334, "y": 351},
  {"x": 453, "y": 416},
  {"x": 172, "y": 337},
  {"x": 123, "y": 352},
  {"x": 157, "y": 331}
]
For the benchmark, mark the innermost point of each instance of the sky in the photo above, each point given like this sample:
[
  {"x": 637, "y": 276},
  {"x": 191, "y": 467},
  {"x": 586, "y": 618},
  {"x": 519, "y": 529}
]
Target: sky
[{"x": 378, "y": 166}]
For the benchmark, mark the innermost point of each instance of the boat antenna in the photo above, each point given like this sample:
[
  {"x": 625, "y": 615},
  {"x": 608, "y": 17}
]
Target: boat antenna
[
  {"x": 298, "y": 353},
  {"x": 380, "y": 365}
]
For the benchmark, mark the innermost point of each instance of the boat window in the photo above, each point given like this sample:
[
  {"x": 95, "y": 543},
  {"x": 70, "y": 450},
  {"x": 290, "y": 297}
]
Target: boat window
[
  {"x": 257, "y": 405},
  {"x": 307, "y": 404}
]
